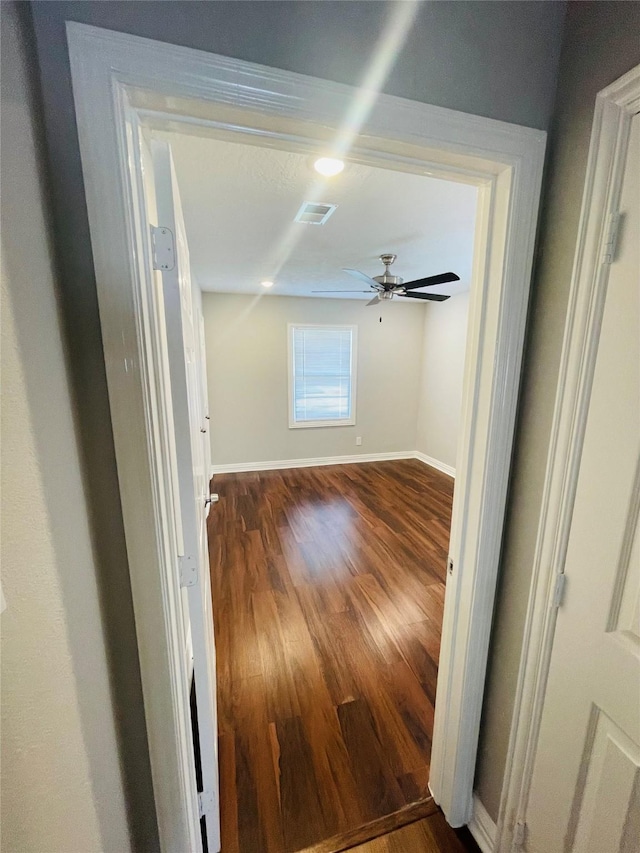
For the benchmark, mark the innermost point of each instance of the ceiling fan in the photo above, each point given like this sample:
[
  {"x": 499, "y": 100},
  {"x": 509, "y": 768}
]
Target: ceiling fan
[{"x": 386, "y": 286}]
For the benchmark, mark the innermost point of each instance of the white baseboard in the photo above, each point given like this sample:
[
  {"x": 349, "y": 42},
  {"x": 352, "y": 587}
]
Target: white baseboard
[
  {"x": 482, "y": 827},
  {"x": 238, "y": 467},
  {"x": 435, "y": 463}
]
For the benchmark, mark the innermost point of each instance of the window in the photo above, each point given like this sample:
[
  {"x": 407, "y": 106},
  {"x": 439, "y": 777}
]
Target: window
[{"x": 322, "y": 376}]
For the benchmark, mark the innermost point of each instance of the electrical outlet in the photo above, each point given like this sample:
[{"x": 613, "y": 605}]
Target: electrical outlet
[{"x": 359, "y": 440}]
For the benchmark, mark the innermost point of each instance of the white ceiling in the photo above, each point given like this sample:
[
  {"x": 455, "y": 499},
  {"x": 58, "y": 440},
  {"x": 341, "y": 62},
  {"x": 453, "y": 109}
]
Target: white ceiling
[{"x": 240, "y": 201}]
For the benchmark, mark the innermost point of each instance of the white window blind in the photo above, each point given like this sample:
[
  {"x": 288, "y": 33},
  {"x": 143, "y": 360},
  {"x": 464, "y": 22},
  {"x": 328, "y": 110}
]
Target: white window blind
[{"x": 322, "y": 375}]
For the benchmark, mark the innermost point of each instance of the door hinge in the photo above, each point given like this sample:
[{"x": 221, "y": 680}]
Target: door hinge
[
  {"x": 164, "y": 249},
  {"x": 205, "y": 802},
  {"x": 558, "y": 593},
  {"x": 450, "y": 565},
  {"x": 611, "y": 238},
  {"x": 519, "y": 835},
  {"x": 188, "y": 570}
]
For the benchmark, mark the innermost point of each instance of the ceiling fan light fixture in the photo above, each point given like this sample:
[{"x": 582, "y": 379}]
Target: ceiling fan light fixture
[{"x": 328, "y": 167}]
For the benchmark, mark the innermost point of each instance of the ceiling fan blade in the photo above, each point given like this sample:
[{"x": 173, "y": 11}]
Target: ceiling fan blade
[
  {"x": 430, "y": 280},
  {"x": 373, "y": 301},
  {"x": 361, "y": 276},
  {"x": 432, "y": 297},
  {"x": 340, "y": 291}
]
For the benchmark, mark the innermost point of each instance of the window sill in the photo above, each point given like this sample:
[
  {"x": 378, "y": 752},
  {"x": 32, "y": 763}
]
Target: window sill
[{"x": 317, "y": 424}]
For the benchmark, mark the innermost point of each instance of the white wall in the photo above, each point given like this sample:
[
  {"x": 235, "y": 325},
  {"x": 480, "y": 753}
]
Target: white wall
[
  {"x": 62, "y": 790},
  {"x": 445, "y": 332},
  {"x": 247, "y": 377}
]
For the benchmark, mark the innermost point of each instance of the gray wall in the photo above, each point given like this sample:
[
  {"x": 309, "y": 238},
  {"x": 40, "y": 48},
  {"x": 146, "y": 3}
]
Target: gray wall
[
  {"x": 497, "y": 59},
  {"x": 601, "y": 42},
  {"x": 247, "y": 377},
  {"x": 61, "y": 788}
]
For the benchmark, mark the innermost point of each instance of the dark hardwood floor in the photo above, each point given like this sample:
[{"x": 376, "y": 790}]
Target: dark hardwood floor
[{"x": 328, "y": 590}]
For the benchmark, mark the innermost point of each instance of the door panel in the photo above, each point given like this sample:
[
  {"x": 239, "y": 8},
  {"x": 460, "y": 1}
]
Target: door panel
[
  {"x": 182, "y": 318},
  {"x": 606, "y": 800},
  {"x": 625, "y": 605},
  {"x": 585, "y": 792}
]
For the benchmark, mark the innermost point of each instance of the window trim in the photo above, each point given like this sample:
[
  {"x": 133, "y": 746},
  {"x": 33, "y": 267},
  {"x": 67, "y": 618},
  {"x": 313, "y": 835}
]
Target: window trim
[{"x": 341, "y": 422}]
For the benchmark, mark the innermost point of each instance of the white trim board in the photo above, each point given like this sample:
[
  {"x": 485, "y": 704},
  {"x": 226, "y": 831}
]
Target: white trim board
[
  {"x": 435, "y": 463},
  {"x": 482, "y": 826},
  {"x": 313, "y": 462},
  {"x": 614, "y": 110},
  {"x": 124, "y": 85}
]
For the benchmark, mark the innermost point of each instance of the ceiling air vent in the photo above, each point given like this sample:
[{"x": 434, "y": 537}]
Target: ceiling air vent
[{"x": 314, "y": 213}]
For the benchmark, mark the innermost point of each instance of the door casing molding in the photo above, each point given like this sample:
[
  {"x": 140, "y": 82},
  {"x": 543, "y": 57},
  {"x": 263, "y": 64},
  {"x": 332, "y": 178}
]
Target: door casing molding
[
  {"x": 614, "y": 109},
  {"x": 123, "y": 84}
]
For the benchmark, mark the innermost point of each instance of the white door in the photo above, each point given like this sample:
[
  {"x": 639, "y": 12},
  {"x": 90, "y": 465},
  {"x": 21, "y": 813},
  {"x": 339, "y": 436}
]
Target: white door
[
  {"x": 182, "y": 319},
  {"x": 585, "y": 794}
]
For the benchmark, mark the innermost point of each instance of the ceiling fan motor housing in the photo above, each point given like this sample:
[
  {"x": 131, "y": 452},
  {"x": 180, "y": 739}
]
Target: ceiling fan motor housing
[{"x": 388, "y": 280}]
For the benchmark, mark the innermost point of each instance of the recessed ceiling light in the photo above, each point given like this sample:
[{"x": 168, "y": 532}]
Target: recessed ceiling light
[
  {"x": 328, "y": 166},
  {"x": 266, "y": 283}
]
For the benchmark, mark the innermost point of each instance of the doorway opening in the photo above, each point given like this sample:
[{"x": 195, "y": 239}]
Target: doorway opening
[
  {"x": 124, "y": 86},
  {"x": 333, "y": 428}
]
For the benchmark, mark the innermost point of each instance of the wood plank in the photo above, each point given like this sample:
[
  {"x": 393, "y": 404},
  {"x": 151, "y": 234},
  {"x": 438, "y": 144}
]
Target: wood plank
[
  {"x": 415, "y": 786},
  {"x": 326, "y": 635},
  {"x": 375, "y": 828},
  {"x": 370, "y": 761},
  {"x": 414, "y": 706},
  {"x": 228, "y": 793},
  {"x": 428, "y": 835},
  {"x": 259, "y": 823},
  {"x": 282, "y": 699},
  {"x": 302, "y": 816}
]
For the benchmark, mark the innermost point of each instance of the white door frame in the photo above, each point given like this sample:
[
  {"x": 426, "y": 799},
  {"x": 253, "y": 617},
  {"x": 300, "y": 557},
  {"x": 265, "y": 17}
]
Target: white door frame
[
  {"x": 614, "y": 109},
  {"x": 121, "y": 82}
]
